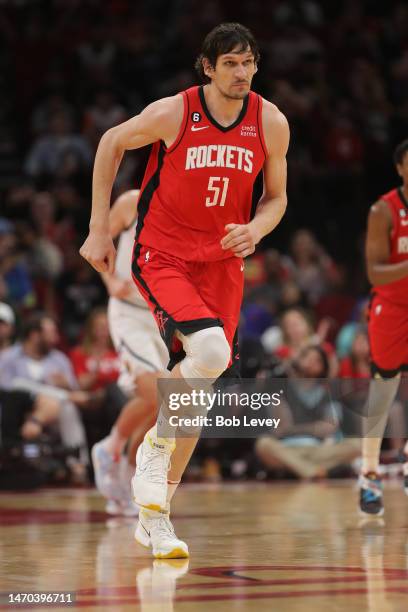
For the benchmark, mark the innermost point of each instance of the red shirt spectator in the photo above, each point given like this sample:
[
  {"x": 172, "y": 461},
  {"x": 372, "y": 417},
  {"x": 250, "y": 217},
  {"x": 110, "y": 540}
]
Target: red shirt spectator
[
  {"x": 95, "y": 362},
  {"x": 101, "y": 370},
  {"x": 357, "y": 365}
]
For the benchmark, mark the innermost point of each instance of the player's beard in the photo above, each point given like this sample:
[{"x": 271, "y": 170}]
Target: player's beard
[{"x": 235, "y": 95}]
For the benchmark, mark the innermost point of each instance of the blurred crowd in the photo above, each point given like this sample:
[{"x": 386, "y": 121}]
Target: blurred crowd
[
  {"x": 71, "y": 70},
  {"x": 298, "y": 323}
]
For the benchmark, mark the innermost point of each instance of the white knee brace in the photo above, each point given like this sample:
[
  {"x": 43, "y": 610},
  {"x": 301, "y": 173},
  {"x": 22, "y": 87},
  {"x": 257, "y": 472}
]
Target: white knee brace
[{"x": 207, "y": 354}]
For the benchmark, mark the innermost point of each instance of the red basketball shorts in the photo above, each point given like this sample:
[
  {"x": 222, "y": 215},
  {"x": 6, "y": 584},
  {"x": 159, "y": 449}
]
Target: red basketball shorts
[
  {"x": 388, "y": 335},
  {"x": 189, "y": 296}
]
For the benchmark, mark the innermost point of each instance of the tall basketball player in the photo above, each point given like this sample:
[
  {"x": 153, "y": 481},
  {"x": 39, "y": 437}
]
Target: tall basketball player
[
  {"x": 387, "y": 269},
  {"x": 193, "y": 231},
  {"x": 142, "y": 353}
]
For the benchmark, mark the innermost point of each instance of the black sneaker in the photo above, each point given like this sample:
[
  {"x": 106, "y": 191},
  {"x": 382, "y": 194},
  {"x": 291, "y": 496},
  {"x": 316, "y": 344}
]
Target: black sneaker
[{"x": 371, "y": 494}]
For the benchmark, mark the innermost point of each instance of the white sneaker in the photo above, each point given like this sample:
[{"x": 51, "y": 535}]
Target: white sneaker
[
  {"x": 156, "y": 585},
  {"x": 152, "y": 464},
  {"x": 126, "y": 503},
  {"x": 158, "y": 532},
  {"x": 106, "y": 471}
]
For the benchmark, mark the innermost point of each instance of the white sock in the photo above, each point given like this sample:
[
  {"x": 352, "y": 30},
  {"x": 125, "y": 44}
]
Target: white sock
[
  {"x": 163, "y": 425},
  {"x": 153, "y": 435},
  {"x": 371, "y": 455}
]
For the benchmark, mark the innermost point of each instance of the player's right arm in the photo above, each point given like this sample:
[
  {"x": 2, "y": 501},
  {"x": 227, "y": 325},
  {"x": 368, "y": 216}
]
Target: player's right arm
[
  {"x": 380, "y": 272},
  {"x": 160, "y": 120}
]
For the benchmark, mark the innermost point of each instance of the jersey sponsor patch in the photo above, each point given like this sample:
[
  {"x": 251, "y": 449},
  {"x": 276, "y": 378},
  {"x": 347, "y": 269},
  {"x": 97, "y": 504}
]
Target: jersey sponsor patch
[{"x": 248, "y": 130}]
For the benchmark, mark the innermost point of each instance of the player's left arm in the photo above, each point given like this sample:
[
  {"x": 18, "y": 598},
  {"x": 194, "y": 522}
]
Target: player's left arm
[{"x": 242, "y": 239}]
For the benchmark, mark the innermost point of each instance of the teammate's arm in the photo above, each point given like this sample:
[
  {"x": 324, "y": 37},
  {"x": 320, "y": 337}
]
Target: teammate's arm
[
  {"x": 123, "y": 212},
  {"x": 380, "y": 272},
  {"x": 121, "y": 216},
  {"x": 242, "y": 239},
  {"x": 158, "y": 121}
]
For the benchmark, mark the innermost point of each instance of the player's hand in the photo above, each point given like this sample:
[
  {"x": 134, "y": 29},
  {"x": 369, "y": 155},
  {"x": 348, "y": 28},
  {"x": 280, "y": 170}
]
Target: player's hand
[
  {"x": 120, "y": 288},
  {"x": 240, "y": 239},
  {"x": 99, "y": 251}
]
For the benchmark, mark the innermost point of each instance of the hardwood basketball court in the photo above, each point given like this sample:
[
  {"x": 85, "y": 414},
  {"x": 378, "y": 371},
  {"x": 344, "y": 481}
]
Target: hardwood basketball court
[{"x": 283, "y": 547}]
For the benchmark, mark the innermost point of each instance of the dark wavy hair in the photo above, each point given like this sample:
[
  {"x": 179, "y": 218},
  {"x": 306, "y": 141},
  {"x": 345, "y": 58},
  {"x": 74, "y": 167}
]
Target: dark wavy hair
[
  {"x": 223, "y": 39},
  {"x": 400, "y": 151}
]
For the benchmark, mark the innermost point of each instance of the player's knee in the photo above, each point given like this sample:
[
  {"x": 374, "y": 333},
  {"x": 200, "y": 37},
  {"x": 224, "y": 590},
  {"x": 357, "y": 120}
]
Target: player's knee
[
  {"x": 215, "y": 351},
  {"x": 208, "y": 354}
]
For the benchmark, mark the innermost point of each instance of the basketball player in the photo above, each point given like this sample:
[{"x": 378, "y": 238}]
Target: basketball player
[
  {"x": 141, "y": 351},
  {"x": 193, "y": 231},
  {"x": 387, "y": 269}
]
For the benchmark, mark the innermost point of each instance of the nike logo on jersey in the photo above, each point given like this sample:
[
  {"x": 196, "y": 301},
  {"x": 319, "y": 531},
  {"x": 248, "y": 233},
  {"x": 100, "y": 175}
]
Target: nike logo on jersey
[
  {"x": 219, "y": 156},
  {"x": 197, "y": 128},
  {"x": 404, "y": 222}
]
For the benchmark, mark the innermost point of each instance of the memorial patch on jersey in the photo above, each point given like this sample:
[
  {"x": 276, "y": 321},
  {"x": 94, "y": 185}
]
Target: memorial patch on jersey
[{"x": 219, "y": 156}]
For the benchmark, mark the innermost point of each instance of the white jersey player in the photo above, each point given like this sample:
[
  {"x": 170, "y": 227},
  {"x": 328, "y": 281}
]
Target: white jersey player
[
  {"x": 132, "y": 326},
  {"x": 142, "y": 354}
]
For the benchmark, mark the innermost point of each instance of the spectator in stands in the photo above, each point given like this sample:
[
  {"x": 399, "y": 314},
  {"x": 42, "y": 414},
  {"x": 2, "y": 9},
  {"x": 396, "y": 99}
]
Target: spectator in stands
[
  {"x": 15, "y": 283},
  {"x": 357, "y": 364},
  {"x": 80, "y": 290},
  {"x": 95, "y": 361},
  {"x": 274, "y": 270},
  {"x": 25, "y": 415},
  {"x": 61, "y": 152},
  {"x": 43, "y": 112},
  {"x": 36, "y": 365},
  {"x": 105, "y": 113},
  {"x": 311, "y": 264},
  {"x": 308, "y": 444},
  {"x": 7, "y": 326},
  {"x": 298, "y": 331},
  {"x": 292, "y": 296},
  {"x": 97, "y": 367},
  {"x": 43, "y": 258}
]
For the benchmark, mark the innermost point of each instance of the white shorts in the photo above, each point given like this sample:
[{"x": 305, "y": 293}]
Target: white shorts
[{"x": 137, "y": 341}]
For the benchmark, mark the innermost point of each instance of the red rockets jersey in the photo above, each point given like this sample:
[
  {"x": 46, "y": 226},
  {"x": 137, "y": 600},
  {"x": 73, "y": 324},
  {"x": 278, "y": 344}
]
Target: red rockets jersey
[
  {"x": 397, "y": 291},
  {"x": 192, "y": 189}
]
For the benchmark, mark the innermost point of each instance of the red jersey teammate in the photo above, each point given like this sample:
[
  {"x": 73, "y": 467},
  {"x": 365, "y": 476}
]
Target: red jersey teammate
[
  {"x": 194, "y": 229},
  {"x": 387, "y": 268}
]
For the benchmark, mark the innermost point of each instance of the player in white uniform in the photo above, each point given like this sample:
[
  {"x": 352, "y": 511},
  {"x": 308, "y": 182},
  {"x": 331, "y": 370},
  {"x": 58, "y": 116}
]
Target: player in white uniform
[{"x": 142, "y": 354}]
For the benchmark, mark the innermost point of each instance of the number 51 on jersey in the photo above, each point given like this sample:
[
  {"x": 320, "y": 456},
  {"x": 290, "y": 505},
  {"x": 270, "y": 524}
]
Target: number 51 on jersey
[{"x": 219, "y": 190}]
